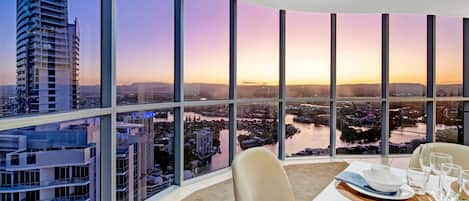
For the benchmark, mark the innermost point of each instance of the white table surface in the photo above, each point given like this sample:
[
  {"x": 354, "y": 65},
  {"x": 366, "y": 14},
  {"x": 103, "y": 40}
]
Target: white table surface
[{"x": 330, "y": 193}]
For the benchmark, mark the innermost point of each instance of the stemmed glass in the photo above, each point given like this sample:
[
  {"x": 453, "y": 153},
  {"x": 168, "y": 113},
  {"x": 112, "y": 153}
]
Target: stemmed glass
[
  {"x": 451, "y": 181},
  {"x": 436, "y": 159}
]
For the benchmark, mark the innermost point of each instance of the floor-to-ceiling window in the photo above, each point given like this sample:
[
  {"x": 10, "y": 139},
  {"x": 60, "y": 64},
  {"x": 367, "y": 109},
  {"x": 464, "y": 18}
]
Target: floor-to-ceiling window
[
  {"x": 308, "y": 84},
  {"x": 194, "y": 83},
  {"x": 358, "y": 84},
  {"x": 49, "y": 100}
]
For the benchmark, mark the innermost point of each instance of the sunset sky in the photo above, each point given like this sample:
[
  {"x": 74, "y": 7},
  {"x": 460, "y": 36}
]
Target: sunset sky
[{"x": 145, "y": 44}]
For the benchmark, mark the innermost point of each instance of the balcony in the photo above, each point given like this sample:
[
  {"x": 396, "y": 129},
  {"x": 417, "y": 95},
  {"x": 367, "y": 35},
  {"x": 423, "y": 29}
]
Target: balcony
[
  {"x": 51, "y": 158},
  {"x": 68, "y": 198},
  {"x": 78, "y": 181}
]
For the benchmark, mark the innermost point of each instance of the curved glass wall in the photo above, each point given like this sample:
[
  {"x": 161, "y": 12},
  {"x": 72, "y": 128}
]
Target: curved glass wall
[{"x": 191, "y": 85}]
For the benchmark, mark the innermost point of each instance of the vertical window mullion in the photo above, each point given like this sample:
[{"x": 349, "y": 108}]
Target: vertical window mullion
[
  {"x": 466, "y": 78},
  {"x": 385, "y": 84},
  {"x": 233, "y": 79},
  {"x": 333, "y": 103},
  {"x": 179, "y": 90},
  {"x": 108, "y": 100},
  {"x": 431, "y": 88},
  {"x": 282, "y": 87}
]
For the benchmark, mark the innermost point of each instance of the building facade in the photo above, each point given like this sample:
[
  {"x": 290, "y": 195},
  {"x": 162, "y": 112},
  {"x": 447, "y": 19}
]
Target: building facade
[
  {"x": 46, "y": 164},
  {"x": 47, "y": 57}
]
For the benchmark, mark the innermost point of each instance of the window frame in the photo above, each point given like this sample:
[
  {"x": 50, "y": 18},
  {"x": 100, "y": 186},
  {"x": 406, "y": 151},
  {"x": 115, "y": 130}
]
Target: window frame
[{"x": 109, "y": 108}]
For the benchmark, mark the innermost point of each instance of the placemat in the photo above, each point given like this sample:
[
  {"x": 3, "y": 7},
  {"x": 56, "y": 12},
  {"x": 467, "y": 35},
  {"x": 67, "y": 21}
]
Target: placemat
[{"x": 353, "y": 195}]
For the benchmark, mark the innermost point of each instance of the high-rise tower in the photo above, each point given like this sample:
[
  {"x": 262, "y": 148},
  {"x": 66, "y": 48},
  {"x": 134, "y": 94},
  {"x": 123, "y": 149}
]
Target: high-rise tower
[{"x": 47, "y": 57}]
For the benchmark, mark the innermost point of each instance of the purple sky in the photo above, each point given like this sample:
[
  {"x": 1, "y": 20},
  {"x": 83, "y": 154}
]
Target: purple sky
[{"x": 145, "y": 44}]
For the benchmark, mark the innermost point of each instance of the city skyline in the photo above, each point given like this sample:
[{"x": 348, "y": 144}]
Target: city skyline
[
  {"x": 158, "y": 139},
  {"x": 214, "y": 59}
]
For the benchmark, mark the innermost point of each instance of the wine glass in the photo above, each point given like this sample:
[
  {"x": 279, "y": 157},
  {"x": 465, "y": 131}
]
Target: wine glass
[
  {"x": 451, "y": 181},
  {"x": 436, "y": 159}
]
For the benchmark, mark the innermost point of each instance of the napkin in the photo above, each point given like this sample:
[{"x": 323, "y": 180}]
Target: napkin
[{"x": 358, "y": 181}]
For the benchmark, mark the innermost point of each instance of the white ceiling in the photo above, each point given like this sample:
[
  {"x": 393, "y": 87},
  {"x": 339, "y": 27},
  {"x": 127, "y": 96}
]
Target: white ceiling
[{"x": 459, "y": 8}]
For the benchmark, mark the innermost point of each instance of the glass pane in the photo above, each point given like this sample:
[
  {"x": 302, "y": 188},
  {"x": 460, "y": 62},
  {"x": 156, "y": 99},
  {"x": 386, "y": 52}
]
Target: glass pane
[
  {"x": 358, "y": 55},
  {"x": 407, "y": 126},
  {"x": 145, "y": 153},
  {"x": 258, "y": 51},
  {"x": 308, "y": 44},
  {"x": 449, "y": 122},
  {"x": 206, "y": 49},
  {"x": 257, "y": 126},
  {"x": 308, "y": 130},
  {"x": 64, "y": 157},
  {"x": 449, "y": 67},
  {"x": 50, "y": 56},
  {"x": 407, "y": 55},
  {"x": 206, "y": 139},
  {"x": 358, "y": 128},
  {"x": 144, "y": 51}
]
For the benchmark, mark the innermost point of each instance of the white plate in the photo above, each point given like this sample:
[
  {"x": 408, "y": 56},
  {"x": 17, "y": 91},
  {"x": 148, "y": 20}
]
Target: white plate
[{"x": 404, "y": 193}]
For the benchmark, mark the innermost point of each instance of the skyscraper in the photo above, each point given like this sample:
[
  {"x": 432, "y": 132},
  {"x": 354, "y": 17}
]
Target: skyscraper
[{"x": 47, "y": 53}]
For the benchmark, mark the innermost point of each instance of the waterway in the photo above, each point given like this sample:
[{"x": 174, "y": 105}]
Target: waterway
[{"x": 310, "y": 136}]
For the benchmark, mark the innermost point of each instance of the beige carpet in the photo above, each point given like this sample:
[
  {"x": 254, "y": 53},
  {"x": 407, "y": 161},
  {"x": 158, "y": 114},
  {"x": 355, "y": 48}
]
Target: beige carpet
[{"x": 307, "y": 181}]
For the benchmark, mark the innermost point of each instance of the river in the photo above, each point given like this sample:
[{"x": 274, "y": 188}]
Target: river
[{"x": 310, "y": 136}]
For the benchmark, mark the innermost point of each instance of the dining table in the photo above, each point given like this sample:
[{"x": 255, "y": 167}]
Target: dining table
[{"x": 338, "y": 191}]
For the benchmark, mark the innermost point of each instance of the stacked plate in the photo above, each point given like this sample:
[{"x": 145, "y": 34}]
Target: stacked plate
[{"x": 378, "y": 182}]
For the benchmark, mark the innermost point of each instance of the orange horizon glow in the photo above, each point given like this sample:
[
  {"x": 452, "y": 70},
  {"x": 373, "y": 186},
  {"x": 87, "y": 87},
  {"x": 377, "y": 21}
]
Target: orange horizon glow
[{"x": 206, "y": 54}]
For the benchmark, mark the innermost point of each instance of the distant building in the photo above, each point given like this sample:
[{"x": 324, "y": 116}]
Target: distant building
[
  {"x": 3, "y": 105},
  {"x": 47, "y": 55},
  {"x": 130, "y": 173},
  {"x": 138, "y": 175},
  {"x": 127, "y": 173},
  {"x": 47, "y": 164},
  {"x": 204, "y": 142}
]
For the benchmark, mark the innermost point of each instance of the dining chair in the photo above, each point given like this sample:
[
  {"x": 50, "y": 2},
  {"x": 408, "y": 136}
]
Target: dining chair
[
  {"x": 259, "y": 176},
  {"x": 460, "y": 153}
]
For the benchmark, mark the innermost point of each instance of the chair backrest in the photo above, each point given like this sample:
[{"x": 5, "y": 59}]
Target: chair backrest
[
  {"x": 460, "y": 153},
  {"x": 259, "y": 176}
]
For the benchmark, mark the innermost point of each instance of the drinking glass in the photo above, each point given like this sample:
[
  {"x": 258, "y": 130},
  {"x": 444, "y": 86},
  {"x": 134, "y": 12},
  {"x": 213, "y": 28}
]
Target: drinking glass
[
  {"x": 417, "y": 179},
  {"x": 465, "y": 182},
  {"x": 436, "y": 159},
  {"x": 451, "y": 181},
  {"x": 424, "y": 157}
]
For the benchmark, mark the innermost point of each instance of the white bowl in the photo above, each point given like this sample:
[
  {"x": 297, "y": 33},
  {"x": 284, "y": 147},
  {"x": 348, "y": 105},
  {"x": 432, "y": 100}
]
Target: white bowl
[{"x": 382, "y": 179}]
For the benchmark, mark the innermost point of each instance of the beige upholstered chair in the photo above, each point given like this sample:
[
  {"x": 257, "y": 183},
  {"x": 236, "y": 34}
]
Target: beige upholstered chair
[
  {"x": 259, "y": 176},
  {"x": 460, "y": 153}
]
